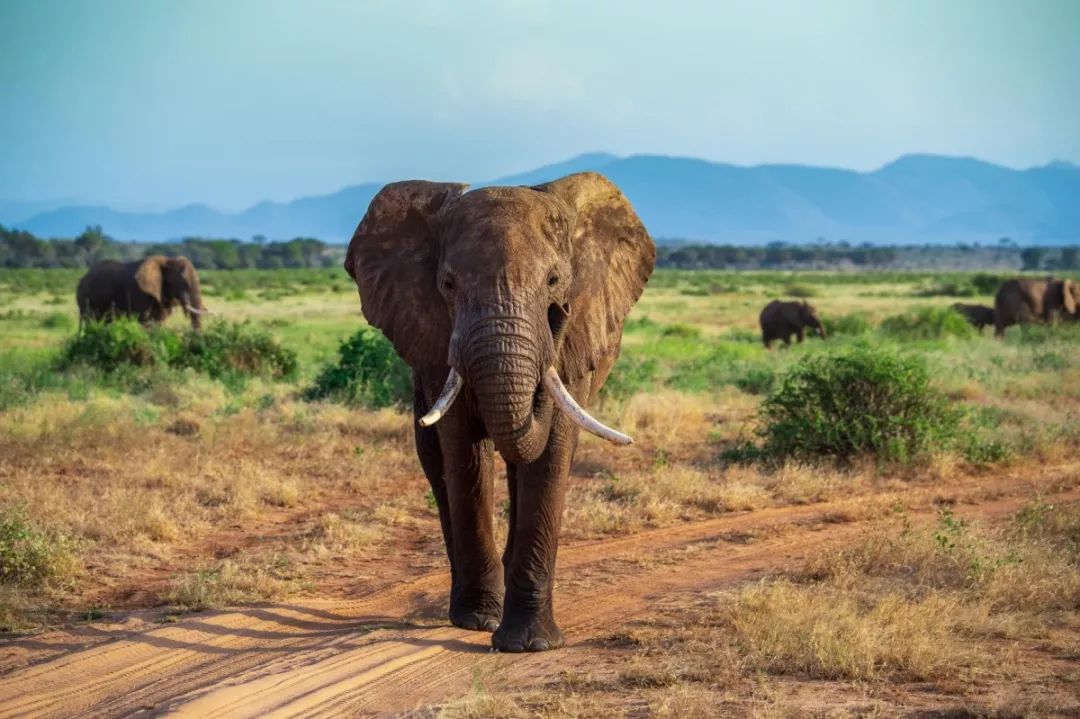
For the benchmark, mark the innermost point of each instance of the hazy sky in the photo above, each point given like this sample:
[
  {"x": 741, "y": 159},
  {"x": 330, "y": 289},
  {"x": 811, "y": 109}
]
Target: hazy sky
[{"x": 228, "y": 102}]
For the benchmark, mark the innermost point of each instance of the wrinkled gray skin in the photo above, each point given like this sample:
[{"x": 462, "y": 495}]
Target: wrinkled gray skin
[
  {"x": 500, "y": 283},
  {"x": 147, "y": 289},
  {"x": 979, "y": 316},
  {"x": 780, "y": 320},
  {"x": 1024, "y": 300}
]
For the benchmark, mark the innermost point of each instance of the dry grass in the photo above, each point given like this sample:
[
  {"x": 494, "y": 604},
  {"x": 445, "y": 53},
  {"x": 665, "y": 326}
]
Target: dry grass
[
  {"x": 231, "y": 582},
  {"x": 936, "y": 605},
  {"x": 113, "y": 475},
  {"x": 829, "y": 634}
]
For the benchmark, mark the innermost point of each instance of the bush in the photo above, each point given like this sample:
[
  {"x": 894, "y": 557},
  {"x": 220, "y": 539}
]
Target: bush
[
  {"x": 795, "y": 289},
  {"x": 756, "y": 379},
  {"x": 368, "y": 372},
  {"x": 981, "y": 283},
  {"x": 108, "y": 346},
  {"x": 856, "y": 323},
  {"x": 928, "y": 323},
  {"x": 28, "y": 556},
  {"x": 57, "y": 320},
  {"x": 222, "y": 350},
  {"x": 858, "y": 402},
  {"x": 630, "y": 375},
  {"x": 225, "y": 350}
]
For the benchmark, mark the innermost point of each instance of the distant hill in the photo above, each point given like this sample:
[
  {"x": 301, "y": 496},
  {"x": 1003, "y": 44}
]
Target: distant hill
[{"x": 913, "y": 200}]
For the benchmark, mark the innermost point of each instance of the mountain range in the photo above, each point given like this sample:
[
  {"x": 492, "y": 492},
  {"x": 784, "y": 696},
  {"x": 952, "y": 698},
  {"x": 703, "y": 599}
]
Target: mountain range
[{"x": 914, "y": 200}]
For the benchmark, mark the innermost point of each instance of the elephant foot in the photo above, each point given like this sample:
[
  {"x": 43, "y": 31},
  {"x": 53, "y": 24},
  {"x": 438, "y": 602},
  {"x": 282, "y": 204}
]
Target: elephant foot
[
  {"x": 476, "y": 621},
  {"x": 479, "y": 614},
  {"x": 528, "y": 634}
]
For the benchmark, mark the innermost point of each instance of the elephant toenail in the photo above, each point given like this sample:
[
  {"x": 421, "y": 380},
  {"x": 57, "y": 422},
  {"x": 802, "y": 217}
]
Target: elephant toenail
[{"x": 539, "y": 645}]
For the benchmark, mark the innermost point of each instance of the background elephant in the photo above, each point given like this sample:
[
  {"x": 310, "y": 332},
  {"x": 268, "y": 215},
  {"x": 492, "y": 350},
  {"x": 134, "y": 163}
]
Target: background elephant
[
  {"x": 147, "y": 289},
  {"x": 1024, "y": 300},
  {"x": 978, "y": 316},
  {"x": 511, "y": 300},
  {"x": 780, "y": 320}
]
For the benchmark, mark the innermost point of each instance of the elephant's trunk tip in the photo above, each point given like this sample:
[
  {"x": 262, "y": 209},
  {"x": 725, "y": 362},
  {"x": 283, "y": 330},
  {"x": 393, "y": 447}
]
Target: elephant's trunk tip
[{"x": 450, "y": 390}]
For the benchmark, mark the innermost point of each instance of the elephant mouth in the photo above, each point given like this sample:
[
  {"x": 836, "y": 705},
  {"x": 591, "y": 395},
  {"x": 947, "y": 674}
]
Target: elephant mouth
[{"x": 550, "y": 388}]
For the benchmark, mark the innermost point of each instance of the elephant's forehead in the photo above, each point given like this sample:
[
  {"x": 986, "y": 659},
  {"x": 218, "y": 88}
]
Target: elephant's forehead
[{"x": 506, "y": 223}]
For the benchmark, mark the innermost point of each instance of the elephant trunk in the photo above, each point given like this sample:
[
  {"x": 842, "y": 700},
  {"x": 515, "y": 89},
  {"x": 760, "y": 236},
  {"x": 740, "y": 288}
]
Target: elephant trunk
[
  {"x": 502, "y": 362},
  {"x": 193, "y": 306}
]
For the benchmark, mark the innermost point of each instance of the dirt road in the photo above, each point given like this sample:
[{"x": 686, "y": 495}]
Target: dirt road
[{"x": 366, "y": 657}]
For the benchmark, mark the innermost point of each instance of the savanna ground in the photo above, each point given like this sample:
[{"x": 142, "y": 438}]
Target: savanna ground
[{"x": 177, "y": 538}]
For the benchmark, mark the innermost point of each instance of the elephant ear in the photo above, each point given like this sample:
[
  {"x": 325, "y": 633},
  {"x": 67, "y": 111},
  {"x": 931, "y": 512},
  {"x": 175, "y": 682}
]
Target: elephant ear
[
  {"x": 613, "y": 257},
  {"x": 393, "y": 257},
  {"x": 148, "y": 276}
]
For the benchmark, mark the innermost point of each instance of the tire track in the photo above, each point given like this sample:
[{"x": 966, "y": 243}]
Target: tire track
[{"x": 324, "y": 658}]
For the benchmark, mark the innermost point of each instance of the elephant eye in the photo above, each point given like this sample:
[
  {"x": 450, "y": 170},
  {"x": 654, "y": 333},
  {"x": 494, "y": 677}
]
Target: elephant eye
[
  {"x": 553, "y": 280},
  {"x": 448, "y": 284}
]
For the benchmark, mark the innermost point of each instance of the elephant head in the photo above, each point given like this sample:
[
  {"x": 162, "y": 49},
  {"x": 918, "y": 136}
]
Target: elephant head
[
  {"x": 808, "y": 314},
  {"x": 171, "y": 281},
  {"x": 1070, "y": 296},
  {"x": 505, "y": 290}
]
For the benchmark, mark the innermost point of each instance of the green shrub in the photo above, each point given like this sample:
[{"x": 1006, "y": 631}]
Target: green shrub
[
  {"x": 368, "y": 372},
  {"x": 756, "y": 379},
  {"x": 856, "y": 323},
  {"x": 222, "y": 350},
  {"x": 928, "y": 323},
  {"x": 631, "y": 374},
  {"x": 857, "y": 402},
  {"x": 980, "y": 283},
  {"x": 681, "y": 330},
  {"x": 108, "y": 346},
  {"x": 795, "y": 289},
  {"x": 57, "y": 320},
  {"x": 229, "y": 350},
  {"x": 28, "y": 556}
]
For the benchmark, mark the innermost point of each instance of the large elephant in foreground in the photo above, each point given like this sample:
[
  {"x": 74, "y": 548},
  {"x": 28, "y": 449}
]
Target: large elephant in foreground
[
  {"x": 147, "y": 289},
  {"x": 1024, "y": 300},
  {"x": 780, "y": 320},
  {"x": 508, "y": 305}
]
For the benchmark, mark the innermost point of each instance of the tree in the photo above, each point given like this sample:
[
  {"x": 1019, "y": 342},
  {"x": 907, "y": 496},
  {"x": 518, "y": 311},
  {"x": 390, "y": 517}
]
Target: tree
[
  {"x": 1032, "y": 257},
  {"x": 1070, "y": 258},
  {"x": 91, "y": 242}
]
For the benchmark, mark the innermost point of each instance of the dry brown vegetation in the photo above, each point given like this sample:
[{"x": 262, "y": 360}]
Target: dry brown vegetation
[{"x": 971, "y": 619}]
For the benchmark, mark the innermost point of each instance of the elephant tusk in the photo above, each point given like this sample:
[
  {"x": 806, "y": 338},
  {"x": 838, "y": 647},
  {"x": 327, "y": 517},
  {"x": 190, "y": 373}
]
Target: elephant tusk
[
  {"x": 569, "y": 406},
  {"x": 197, "y": 311},
  {"x": 454, "y": 383}
]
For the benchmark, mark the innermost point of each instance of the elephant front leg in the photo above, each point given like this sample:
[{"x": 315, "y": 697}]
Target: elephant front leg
[
  {"x": 459, "y": 467},
  {"x": 528, "y": 622},
  {"x": 476, "y": 590}
]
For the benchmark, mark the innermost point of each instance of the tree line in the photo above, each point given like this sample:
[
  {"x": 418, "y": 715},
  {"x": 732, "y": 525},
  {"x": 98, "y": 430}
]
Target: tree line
[
  {"x": 21, "y": 249},
  {"x": 779, "y": 255}
]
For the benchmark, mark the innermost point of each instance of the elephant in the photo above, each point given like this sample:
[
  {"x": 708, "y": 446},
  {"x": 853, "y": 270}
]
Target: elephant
[
  {"x": 779, "y": 320},
  {"x": 1023, "y": 300},
  {"x": 979, "y": 316},
  {"x": 147, "y": 289},
  {"x": 508, "y": 305}
]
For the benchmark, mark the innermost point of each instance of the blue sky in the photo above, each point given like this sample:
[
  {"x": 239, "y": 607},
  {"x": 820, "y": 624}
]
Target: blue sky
[{"x": 157, "y": 104}]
